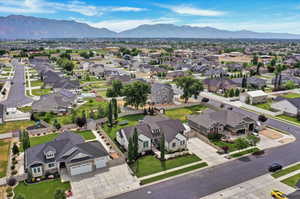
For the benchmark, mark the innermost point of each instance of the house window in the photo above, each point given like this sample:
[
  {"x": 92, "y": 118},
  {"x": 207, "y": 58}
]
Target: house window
[
  {"x": 146, "y": 144},
  {"x": 174, "y": 144},
  {"x": 182, "y": 142},
  {"x": 36, "y": 169},
  {"x": 50, "y": 155},
  {"x": 51, "y": 165}
]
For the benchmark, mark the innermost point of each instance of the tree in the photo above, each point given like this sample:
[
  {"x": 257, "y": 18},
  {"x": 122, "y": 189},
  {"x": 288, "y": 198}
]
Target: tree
[
  {"x": 190, "y": 86},
  {"x": 273, "y": 62},
  {"x": 110, "y": 115},
  {"x": 252, "y": 139},
  {"x": 241, "y": 143},
  {"x": 136, "y": 93},
  {"x": 289, "y": 85},
  {"x": 162, "y": 147},
  {"x": 25, "y": 140},
  {"x": 231, "y": 92},
  {"x": 59, "y": 194},
  {"x": 244, "y": 82},
  {"x": 259, "y": 65},
  {"x": 116, "y": 89},
  {"x": 56, "y": 124},
  {"x": 254, "y": 60},
  {"x": 237, "y": 92},
  {"x": 130, "y": 151},
  {"x": 135, "y": 140},
  {"x": 115, "y": 108},
  {"x": 101, "y": 112},
  {"x": 15, "y": 149}
]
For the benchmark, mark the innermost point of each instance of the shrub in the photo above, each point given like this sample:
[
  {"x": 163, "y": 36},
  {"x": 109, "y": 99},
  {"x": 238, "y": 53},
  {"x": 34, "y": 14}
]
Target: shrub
[
  {"x": 12, "y": 167},
  {"x": 214, "y": 136},
  {"x": 11, "y": 181},
  {"x": 9, "y": 194},
  {"x": 8, "y": 190}
]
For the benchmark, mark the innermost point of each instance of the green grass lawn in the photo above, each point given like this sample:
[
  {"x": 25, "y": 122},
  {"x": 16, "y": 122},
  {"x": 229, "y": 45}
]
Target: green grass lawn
[
  {"x": 25, "y": 109},
  {"x": 36, "y": 83},
  {"x": 291, "y": 95},
  {"x": 173, "y": 173},
  {"x": 132, "y": 120},
  {"x": 292, "y": 181},
  {"x": 239, "y": 154},
  {"x": 181, "y": 113},
  {"x": 266, "y": 106},
  {"x": 102, "y": 93},
  {"x": 4, "y": 154},
  {"x": 289, "y": 118},
  {"x": 87, "y": 135},
  {"x": 45, "y": 189},
  {"x": 39, "y": 92},
  {"x": 13, "y": 126},
  {"x": 286, "y": 171},
  {"x": 42, "y": 139},
  {"x": 148, "y": 165}
]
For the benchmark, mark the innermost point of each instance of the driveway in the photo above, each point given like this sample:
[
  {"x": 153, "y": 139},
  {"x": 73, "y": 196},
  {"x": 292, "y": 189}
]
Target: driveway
[
  {"x": 103, "y": 184},
  {"x": 205, "y": 151}
]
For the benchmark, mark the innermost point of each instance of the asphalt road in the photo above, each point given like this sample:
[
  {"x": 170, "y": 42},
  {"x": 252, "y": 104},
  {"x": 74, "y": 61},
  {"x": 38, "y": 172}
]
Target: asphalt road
[
  {"x": 214, "y": 179},
  {"x": 16, "y": 96}
]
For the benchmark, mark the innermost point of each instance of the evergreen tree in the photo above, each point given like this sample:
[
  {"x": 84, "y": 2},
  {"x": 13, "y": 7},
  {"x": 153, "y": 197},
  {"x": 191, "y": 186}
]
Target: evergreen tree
[
  {"x": 237, "y": 92},
  {"x": 231, "y": 93},
  {"x": 110, "y": 115},
  {"x": 25, "y": 140},
  {"x": 115, "y": 108},
  {"x": 162, "y": 147},
  {"x": 135, "y": 140},
  {"x": 130, "y": 151},
  {"x": 56, "y": 124},
  {"x": 15, "y": 149}
]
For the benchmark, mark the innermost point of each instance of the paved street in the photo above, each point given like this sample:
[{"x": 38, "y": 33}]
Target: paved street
[
  {"x": 16, "y": 96},
  {"x": 211, "y": 180}
]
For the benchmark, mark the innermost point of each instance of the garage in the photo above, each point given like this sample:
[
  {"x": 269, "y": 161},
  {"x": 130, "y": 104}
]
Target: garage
[
  {"x": 101, "y": 162},
  {"x": 79, "y": 169}
]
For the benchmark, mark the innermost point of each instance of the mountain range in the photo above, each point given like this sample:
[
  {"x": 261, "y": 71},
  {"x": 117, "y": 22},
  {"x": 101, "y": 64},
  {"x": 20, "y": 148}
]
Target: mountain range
[{"x": 27, "y": 27}]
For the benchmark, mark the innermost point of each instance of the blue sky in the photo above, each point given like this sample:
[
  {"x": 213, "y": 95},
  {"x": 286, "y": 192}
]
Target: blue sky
[{"x": 119, "y": 15}]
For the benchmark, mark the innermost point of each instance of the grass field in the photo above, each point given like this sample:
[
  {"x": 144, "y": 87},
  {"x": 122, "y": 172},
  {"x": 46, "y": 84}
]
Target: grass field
[
  {"x": 174, "y": 173},
  {"x": 4, "y": 155},
  {"x": 286, "y": 171},
  {"x": 13, "y": 126},
  {"x": 45, "y": 189},
  {"x": 148, "y": 164},
  {"x": 131, "y": 119},
  {"x": 181, "y": 113}
]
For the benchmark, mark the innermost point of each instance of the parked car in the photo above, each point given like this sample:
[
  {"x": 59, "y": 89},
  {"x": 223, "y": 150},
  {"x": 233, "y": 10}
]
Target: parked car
[
  {"x": 275, "y": 167},
  {"x": 278, "y": 195}
]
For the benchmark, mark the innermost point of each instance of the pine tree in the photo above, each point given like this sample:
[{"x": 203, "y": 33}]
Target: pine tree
[
  {"x": 162, "y": 147},
  {"x": 135, "y": 144},
  {"x": 15, "y": 149},
  {"x": 237, "y": 92},
  {"x": 110, "y": 116},
  {"x": 25, "y": 141},
  {"x": 130, "y": 150},
  {"x": 115, "y": 108}
]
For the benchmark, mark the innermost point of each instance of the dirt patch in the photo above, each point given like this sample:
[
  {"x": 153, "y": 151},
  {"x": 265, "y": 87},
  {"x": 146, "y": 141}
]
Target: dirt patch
[
  {"x": 272, "y": 134},
  {"x": 286, "y": 140}
]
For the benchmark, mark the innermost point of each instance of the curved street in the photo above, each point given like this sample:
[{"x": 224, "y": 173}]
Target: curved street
[{"x": 207, "y": 181}]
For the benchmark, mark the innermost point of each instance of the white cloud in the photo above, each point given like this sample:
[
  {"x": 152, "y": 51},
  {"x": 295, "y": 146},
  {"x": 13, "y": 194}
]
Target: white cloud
[
  {"x": 43, "y": 6},
  {"x": 190, "y": 10},
  {"x": 121, "y": 25}
]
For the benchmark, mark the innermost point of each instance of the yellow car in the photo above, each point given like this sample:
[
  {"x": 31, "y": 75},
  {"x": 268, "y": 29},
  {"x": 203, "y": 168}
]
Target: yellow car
[{"x": 278, "y": 195}]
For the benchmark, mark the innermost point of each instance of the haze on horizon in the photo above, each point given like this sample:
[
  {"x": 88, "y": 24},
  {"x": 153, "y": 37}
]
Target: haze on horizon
[{"x": 261, "y": 16}]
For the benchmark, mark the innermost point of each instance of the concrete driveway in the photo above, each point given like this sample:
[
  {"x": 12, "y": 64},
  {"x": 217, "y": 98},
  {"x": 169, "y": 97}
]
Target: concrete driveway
[
  {"x": 103, "y": 184},
  {"x": 205, "y": 151}
]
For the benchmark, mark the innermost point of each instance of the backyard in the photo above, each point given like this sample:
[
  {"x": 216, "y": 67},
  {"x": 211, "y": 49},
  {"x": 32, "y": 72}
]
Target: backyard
[
  {"x": 148, "y": 164},
  {"x": 182, "y": 113},
  {"x": 4, "y": 154},
  {"x": 14, "y": 126},
  {"x": 130, "y": 120},
  {"x": 45, "y": 189}
]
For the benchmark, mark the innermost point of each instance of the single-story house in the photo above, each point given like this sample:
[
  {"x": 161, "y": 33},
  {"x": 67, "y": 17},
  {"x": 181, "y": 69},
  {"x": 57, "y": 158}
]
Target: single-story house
[
  {"x": 254, "y": 97},
  {"x": 150, "y": 130},
  {"x": 217, "y": 84},
  {"x": 68, "y": 152},
  {"x": 221, "y": 122},
  {"x": 289, "y": 106}
]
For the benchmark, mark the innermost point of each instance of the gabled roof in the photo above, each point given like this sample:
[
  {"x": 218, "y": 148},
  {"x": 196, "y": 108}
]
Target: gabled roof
[{"x": 293, "y": 101}]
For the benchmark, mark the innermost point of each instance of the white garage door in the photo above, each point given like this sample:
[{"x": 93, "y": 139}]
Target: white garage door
[
  {"x": 79, "y": 169},
  {"x": 100, "y": 163}
]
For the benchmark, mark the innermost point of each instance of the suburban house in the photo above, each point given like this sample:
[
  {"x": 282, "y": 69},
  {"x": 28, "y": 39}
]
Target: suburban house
[
  {"x": 223, "y": 122},
  {"x": 57, "y": 102},
  {"x": 66, "y": 153},
  {"x": 96, "y": 70},
  {"x": 253, "y": 82},
  {"x": 289, "y": 106},
  {"x": 150, "y": 130},
  {"x": 254, "y": 97},
  {"x": 174, "y": 74},
  {"x": 161, "y": 93},
  {"x": 219, "y": 84}
]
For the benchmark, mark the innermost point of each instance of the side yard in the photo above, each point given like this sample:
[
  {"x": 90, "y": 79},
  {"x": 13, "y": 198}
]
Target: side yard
[
  {"x": 182, "y": 113},
  {"x": 4, "y": 155}
]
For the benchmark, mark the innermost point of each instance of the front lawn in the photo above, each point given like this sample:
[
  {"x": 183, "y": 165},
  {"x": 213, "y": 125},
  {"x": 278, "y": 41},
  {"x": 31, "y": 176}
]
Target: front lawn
[
  {"x": 182, "y": 113},
  {"x": 286, "y": 171},
  {"x": 40, "y": 92},
  {"x": 87, "y": 134},
  {"x": 131, "y": 121},
  {"x": 4, "y": 154},
  {"x": 266, "y": 106},
  {"x": 148, "y": 164},
  {"x": 289, "y": 118},
  {"x": 16, "y": 125},
  {"x": 44, "y": 190},
  {"x": 292, "y": 181},
  {"x": 173, "y": 173},
  {"x": 291, "y": 95},
  {"x": 36, "y": 83},
  {"x": 239, "y": 154}
]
